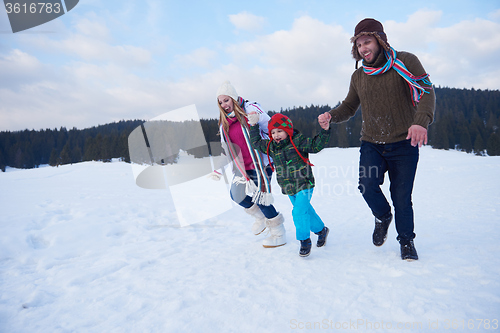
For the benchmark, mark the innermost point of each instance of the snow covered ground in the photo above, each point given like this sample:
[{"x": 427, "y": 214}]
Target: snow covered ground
[{"x": 83, "y": 249}]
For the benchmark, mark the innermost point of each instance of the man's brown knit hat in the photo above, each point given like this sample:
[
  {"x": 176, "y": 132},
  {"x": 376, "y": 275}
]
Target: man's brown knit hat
[{"x": 372, "y": 27}]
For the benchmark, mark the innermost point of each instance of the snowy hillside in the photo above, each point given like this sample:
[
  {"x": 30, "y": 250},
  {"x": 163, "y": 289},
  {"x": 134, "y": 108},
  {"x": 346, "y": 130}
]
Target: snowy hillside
[{"x": 83, "y": 249}]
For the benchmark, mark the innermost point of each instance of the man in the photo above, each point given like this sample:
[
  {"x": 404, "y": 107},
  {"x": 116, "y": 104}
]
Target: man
[{"x": 397, "y": 104}]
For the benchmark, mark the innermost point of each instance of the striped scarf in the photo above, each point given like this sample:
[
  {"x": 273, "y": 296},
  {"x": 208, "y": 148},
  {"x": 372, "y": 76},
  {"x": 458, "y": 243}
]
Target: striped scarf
[
  {"x": 416, "y": 89},
  {"x": 261, "y": 192}
]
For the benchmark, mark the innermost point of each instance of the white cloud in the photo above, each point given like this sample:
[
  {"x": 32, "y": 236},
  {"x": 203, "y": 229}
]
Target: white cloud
[
  {"x": 308, "y": 64},
  {"x": 466, "y": 54},
  {"x": 201, "y": 57},
  {"x": 416, "y": 33},
  {"x": 495, "y": 16},
  {"x": 19, "y": 68},
  {"x": 247, "y": 21},
  {"x": 17, "y": 63},
  {"x": 84, "y": 95},
  {"x": 92, "y": 27},
  {"x": 474, "y": 40},
  {"x": 90, "y": 49},
  {"x": 90, "y": 42},
  {"x": 462, "y": 55}
]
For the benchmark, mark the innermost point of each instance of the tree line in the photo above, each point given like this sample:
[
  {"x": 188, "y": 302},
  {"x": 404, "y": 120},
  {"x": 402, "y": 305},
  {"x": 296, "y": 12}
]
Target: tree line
[
  {"x": 466, "y": 120},
  {"x": 30, "y": 149}
]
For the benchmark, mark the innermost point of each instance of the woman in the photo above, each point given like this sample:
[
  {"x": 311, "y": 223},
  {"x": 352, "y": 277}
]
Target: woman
[{"x": 250, "y": 187}]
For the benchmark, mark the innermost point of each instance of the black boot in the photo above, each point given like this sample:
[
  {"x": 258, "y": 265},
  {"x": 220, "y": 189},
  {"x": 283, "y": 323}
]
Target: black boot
[
  {"x": 408, "y": 251},
  {"x": 380, "y": 232},
  {"x": 322, "y": 235},
  {"x": 305, "y": 247}
]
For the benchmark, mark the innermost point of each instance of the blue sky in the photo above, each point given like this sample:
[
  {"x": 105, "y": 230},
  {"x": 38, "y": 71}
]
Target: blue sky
[{"x": 108, "y": 60}]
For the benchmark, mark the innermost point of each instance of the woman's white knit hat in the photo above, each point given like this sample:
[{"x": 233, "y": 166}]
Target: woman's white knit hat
[{"x": 228, "y": 90}]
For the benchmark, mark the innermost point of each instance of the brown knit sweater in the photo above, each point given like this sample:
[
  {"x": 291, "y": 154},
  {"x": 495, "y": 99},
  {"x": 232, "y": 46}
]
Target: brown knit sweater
[{"x": 386, "y": 105}]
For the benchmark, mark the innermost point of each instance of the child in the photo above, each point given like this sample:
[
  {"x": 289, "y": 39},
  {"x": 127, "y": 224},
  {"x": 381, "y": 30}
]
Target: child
[{"x": 289, "y": 150}]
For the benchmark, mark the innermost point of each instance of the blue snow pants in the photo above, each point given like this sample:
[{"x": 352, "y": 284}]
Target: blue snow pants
[{"x": 304, "y": 215}]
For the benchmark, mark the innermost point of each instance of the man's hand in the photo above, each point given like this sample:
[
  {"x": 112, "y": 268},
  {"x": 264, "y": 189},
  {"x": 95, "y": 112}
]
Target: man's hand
[
  {"x": 418, "y": 135},
  {"x": 324, "y": 120}
]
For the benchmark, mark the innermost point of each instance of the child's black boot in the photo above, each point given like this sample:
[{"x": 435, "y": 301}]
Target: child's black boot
[
  {"x": 322, "y": 235},
  {"x": 305, "y": 247}
]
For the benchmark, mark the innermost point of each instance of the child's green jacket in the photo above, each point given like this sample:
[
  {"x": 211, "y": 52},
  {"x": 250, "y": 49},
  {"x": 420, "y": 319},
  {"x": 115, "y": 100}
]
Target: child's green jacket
[{"x": 292, "y": 173}]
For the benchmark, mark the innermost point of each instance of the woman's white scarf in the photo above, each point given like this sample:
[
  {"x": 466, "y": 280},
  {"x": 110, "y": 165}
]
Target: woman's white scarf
[{"x": 260, "y": 192}]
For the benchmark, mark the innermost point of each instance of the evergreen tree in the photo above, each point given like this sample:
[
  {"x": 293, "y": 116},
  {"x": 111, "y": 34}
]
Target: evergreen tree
[
  {"x": 3, "y": 165},
  {"x": 468, "y": 120},
  {"x": 54, "y": 158},
  {"x": 91, "y": 152},
  {"x": 65, "y": 156},
  {"x": 479, "y": 145},
  {"x": 19, "y": 158},
  {"x": 493, "y": 146},
  {"x": 465, "y": 141},
  {"x": 76, "y": 154},
  {"x": 343, "y": 140}
]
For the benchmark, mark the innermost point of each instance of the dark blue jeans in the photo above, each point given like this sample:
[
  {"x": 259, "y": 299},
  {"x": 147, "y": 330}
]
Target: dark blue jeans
[
  {"x": 268, "y": 211},
  {"x": 400, "y": 160}
]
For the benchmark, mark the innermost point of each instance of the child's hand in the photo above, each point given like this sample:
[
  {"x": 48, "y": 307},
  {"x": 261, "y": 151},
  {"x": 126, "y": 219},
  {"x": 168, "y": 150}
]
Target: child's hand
[
  {"x": 324, "y": 120},
  {"x": 253, "y": 118}
]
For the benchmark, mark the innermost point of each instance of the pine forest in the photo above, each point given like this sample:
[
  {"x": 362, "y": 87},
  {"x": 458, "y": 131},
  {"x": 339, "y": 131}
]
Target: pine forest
[{"x": 466, "y": 120}]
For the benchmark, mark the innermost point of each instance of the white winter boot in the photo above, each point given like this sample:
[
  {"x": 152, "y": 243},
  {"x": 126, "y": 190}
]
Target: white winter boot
[
  {"x": 277, "y": 231},
  {"x": 260, "y": 220}
]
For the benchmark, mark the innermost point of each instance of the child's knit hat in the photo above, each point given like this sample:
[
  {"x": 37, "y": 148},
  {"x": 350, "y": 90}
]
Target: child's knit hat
[
  {"x": 283, "y": 122},
  {"x": 227, "y": 89},
  {"x": 280, "y": 121},
  {"x": 371, "y": 27}
]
